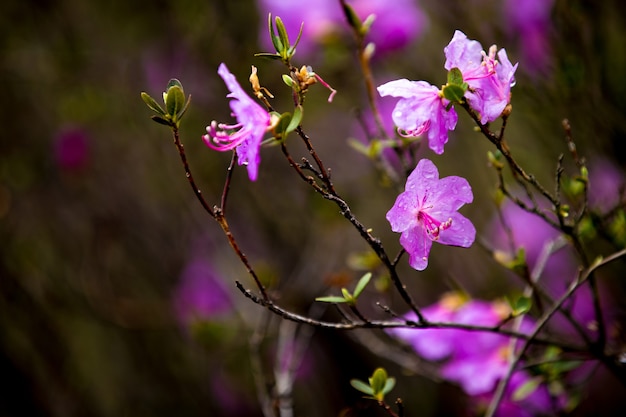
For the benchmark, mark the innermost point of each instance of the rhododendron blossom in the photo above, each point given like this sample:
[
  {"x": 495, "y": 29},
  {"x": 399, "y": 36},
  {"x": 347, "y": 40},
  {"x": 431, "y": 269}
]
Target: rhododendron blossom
[
  {"x": 421, "y": 109},
  {"x": 427, "y": 211},
  {"x": 489, "y": 79},
  {"x": 475, "y": 360},
  {"x": 246, "y": 135}
]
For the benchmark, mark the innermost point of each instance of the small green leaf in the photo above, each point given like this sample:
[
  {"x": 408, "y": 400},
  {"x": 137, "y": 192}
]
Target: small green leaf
[
  {"x": 152, "y": 104},
  {"x": 331, "y": 299},
  {"x": 360, "y": 286},
  {"x": 351, "y": 16},
  {"x": 526, "y": 389},
  {"x": 562, "y": 367},
  {"x": 288, "y": 80},
  {"x": 162, "y": 121},
  {"x": 453, "y": 92},
  {"x": 378, "y": 380},
  {"x": 275, "y": 39},
  {"x": 521, "y": 306},
  {"x": 584, "y": 173},
  {"x": 495, "y": 159},
  {"x": 174, "y": 101},
  {"x": 175, "y": 83},
  {"x": 389, "y": 385},
  {"x": 455, "y": 77},
  {"x": 282, "y": 34},
  {"x": 295, "y": 120},
  {"x": 361, "y": 386},
  {"x": 184, "y": 110},
  {"x": 346, "y": 294},
  {"x": 268, "y": 55}
]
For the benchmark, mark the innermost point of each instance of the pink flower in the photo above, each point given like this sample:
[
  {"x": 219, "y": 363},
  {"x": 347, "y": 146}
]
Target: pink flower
[
  {"x": 530, "y": 22},
  {"x": 427, "y": 211},
  {"x": 252, "y": 123},
  {"x": 475, "y": 360},
  {"x": 320, "y": 22},
  {"x": 489, "y": 79},
  {"x": 421, "y": 109},
  {"x": 397, "y": 22},
  {"x": 200, "y": 294}
]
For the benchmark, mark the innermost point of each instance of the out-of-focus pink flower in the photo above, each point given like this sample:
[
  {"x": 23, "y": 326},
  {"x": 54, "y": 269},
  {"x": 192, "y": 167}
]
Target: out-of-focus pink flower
[
  {"x": 537, "y": 403},
  {"x": 72, "y": 149},
  {"x": 421, "y": 109},
  {"x": 475, "y": 360},
  {"x": 321, "y": 21},
  {"x": 252, "y": 123},
  {"x": 529, "y": 22},
  {"x": 396, "y": 25},
  {"x": 397, "y": 22},
  {"x": 200, "y": 294},
  {"x": 489, "y": 79},
  {"x": 427, "y": 211}
]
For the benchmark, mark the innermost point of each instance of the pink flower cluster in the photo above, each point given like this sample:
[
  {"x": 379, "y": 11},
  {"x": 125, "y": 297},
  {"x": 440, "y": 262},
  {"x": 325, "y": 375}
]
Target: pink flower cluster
[
  {"x": 475, "y": 360},
  {"x": 422, "y": 107}
]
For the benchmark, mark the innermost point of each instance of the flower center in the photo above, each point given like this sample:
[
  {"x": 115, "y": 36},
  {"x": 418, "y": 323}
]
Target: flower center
[{"x": 432, "y": 226}]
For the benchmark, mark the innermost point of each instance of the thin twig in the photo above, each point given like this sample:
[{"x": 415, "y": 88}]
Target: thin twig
[
  {"x": 192, "y": 183},
  {"x": 229, "y": 175}
]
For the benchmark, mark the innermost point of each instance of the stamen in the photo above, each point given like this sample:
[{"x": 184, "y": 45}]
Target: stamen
[{"x": 433, "y": 226}]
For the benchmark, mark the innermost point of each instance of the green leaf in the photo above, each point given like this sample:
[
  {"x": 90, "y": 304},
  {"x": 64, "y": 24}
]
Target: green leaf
[
  {"x": 347, "y": 296},
  {"x": 175, "y": 83},
  {"x": 331, "y": 299},
  {"x": 455, "y": 77},
  {"x": 526, "y": 389},
  {"x": 563, "y": 366},
  {"x": 268, "y": 55},
  {"x": 361, "y": 386},
  {"x": 184, "y": 110},
  {"x": 389, "y": 385},
  {"x": 453, "y": 92},
  {"x": 150, "y": 102},
  {"x": 282, "y": 34},
  {"x": 351, "y": 16},
  {"x": 378, "y": 380},
  {"x": 584, "y": 173},
  {"x": 360, "y": 286},
  {"x": 275, "y": 39},
  {"x": 162, "y": 121},
  {"x": 522, "y": 306},
  {"x": 295, "y": 120},
  {"x": 359, "y": 146},
  {"x": 174, "y": 101},
  {"x": 288, "y": 80}
]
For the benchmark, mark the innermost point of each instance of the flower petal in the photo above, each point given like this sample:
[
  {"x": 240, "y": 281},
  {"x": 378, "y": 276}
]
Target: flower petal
[
  {"x": 462, "y": 53},
  {"x": 451, "y": 192},
  {"x": 403, "y": 214},
  {"x": 417, "y": 244},
  {"x": 423, "y": 180},
  {"x": 461, "y": 233}
]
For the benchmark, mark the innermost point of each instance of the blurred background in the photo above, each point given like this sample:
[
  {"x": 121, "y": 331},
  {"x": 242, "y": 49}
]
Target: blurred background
[{"x": 117, "y": 293}]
